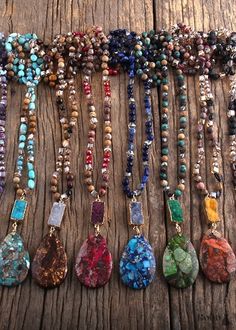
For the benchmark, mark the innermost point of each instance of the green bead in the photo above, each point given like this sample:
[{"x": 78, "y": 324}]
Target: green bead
[
  {"x": 165, "y": 104},
  {"x": 164, "y": 151},
  {"x": 183, "y": 119},
  {"x": 164, "y": 127},
  {"x": 181, "y": 143},
  {"x": 183, "y": 168},
  {"x": 178, "y": 193},
  {"x": 175, "y": 210}
]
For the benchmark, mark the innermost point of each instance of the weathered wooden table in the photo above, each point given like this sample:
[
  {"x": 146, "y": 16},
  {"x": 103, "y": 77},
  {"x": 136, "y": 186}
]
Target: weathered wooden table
[{"x": 71, "y": 306}]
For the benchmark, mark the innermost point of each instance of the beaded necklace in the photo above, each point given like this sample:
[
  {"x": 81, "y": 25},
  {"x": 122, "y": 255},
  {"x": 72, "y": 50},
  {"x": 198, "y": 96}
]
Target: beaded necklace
[
  {"x": 217, "y": 258},
  {"x": 94, "y": 261},
  {"x": 180, "y": 263},
  {"x": 24, "y": 63},
  {"x": 49, "y": 267},
  {"x": 3, "y": 107},
  {"x": 137, "y": 263}
]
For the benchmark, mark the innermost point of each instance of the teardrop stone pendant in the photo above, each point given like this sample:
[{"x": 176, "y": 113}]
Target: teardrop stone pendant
[
  {"x": 49, "y": 266},
  {"x": 180, "y": 262},
  {"x": 217, "y": 259},
  {"x": 14, "y": 260},
  {"x": 137, "y": 263},
  {"x": 94, "y": 262}
]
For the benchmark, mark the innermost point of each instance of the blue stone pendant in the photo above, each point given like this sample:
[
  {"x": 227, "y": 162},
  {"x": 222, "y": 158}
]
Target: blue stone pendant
[
  {"x": 137, "y": 264},
  {"x": 14, "y": 260}
]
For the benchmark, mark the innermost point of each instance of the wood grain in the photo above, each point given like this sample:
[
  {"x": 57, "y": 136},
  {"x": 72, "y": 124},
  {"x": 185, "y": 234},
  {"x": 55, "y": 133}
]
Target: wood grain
[{"x": 71, "y": 306}]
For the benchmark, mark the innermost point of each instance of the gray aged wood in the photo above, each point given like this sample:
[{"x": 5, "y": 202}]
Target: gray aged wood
[{"x": 71, "y": 306}]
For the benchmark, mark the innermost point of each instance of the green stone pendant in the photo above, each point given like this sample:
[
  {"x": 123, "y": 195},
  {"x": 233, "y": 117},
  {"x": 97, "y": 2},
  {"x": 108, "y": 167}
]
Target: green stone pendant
[
  {"x": 180, "y": 262},
  {"x": 175, "y": 210}
]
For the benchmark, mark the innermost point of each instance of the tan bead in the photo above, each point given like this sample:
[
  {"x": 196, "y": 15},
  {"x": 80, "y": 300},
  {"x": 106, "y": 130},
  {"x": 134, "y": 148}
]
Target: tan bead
[
  {"x": 88, "y": 181},
  {"x": 105, "y": 58},
  {"x": 108, "y": 129},
  {"x": 16, "y": 179},
  {"x": 164, "y": 134},
  {"x": 181, "y": 187},
  {"x": 105, "y": 72},
  {"x": 87, "y": 173},
  {"x": 164, "y": 62},
  {"x": 181, "y": 136},
  {"x": 75, "y": 114},
  {"x": 164, "y": 158},
  {"x": 91, "y": 188},
  {"x": 53, "y": 182},
  {"x": 26, "y": 101},
  {"x": 107, "y": 143},
  {"x": 20, "y": 192},
  {"x": 165, "y": 88}
]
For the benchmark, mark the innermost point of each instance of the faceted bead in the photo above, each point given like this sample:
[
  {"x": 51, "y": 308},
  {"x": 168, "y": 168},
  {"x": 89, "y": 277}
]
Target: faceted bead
[
  {"x": 211, "y": 209},
  {"x": 49, "y": 266},
  {"x": 137, "y": 263},
  {"x": 217, "y": 259},
  {"x": 14, "y": 260},
  {"x": 180, "y": 262},
  {"x": 175, "y": 210},
  {"x": 94, "y": 262}
]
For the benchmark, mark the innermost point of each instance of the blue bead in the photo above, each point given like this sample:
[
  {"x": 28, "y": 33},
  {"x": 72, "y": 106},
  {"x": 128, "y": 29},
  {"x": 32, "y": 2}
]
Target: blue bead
[
  {"x": 30, "y": 166},
  {"x": 21, "y": 145},
  {"x": 32, "y": 106},
  {"x": 21, "y": 40},
  {"x": 21, "y": 73},
  {"x": 23, "y": 128},
  {"x": 31, "y": 174},
  {"x": 33, "y": 57},
  {"x": 22, "y": 138},
  {"x": 8, "y": 46},
  {"x": 137, "y": 264},
  {"x": 31, "y": 184}
]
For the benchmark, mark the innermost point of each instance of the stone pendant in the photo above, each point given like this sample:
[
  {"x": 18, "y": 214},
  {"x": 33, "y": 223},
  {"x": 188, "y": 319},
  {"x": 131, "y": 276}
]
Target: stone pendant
[
  {"x": 49, "y": 266},
  {"x": 137, "y": 263},
  {"x": 180, "y": 262},
  {"x": 14, "y": 260},
  {"x": 94, "y": 262},
  {"x": 217, "y": 259}
]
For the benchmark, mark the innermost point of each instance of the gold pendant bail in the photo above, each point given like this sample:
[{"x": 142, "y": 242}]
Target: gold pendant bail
[
  {"x": 137, "y": 230},
  {"x": 52, "y": 230},
  {"x": 178, "y": 229},
  {"x": 97, "y": 229},
  {"x": 14, "y": 227}
]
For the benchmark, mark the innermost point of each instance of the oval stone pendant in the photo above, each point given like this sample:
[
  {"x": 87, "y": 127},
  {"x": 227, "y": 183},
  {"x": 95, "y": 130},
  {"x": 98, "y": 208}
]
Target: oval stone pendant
[
  {"x": 49, "y": 266},
  {"x": 180, "y": 262},
  {"x": 14, "y": 260},
  {"x": 94, "y": 262},
  {"x": 217, "y": 259},
  {"x": 137, "y": 263}
]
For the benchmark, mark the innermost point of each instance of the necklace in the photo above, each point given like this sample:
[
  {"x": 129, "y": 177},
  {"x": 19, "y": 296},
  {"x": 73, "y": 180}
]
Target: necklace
[
  {"x": 49, "y": 267},
  {"x": 25, "y": 63},
  {"x": 3, "y": 107},
  {"x": 137, "y": 263},
  {"x": 180, "y": 263},
  {"x": 94, "y": 261},
  {"x": 217, "y": 258}
]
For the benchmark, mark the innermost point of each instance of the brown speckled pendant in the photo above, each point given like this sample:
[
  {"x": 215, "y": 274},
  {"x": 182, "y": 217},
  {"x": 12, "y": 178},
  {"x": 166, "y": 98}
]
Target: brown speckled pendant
[{"x": 49, "y": 266}]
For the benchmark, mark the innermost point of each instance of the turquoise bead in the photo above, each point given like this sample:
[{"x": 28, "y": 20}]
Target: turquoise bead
[
  {"x": 181, "y": 143},
  {"x": 30, "y": 166},
  {"x": 38, "y": 71},
  {"x": 164, "y": 127},
  {"x": 183, "y": 119},
  {"x": 21, "y": 145},
  {"x": 8, "y": 47},
  {"x": 21, "y": 40},
  {"x": 32, "y": 106},
  {"x": 21, "y": 73},
  {"x": 31, "y": 174},
  {"x": 19, "y": 162},
  {"x": 21, "y": 67},
  {"x": 22, "y": 138},
  {"x": 31, "y": 184},
  {"x": 18, "y": 210},
  {"x": 33, "y": 57},
  {"x": 23, "y": 128}
]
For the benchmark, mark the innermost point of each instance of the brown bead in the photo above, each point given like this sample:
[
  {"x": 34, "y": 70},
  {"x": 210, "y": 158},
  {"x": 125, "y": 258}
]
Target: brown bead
[
  {"x": 108, "y": 129},
  {"x": 57, "y": 196},
  {"x": 53, "y": 181},
  {"x": 87, "y": 173},
  {"x": 16, "y": 179},
  {"x": 91, "y": 188},
  {"x": 53, "y": 189}
]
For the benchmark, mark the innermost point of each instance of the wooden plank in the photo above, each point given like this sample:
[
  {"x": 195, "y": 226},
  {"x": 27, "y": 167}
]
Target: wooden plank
[{"x": 71, "y": 306}]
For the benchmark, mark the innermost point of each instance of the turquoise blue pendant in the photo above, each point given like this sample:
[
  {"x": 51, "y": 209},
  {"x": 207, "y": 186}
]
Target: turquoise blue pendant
[
  {"x": 137, "y": 264},
  {"x": 14, "y": 260}
]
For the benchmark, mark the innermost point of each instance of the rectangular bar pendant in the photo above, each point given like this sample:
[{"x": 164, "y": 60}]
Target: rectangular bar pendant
[
  {"x": 211, "y": 209},
  {"x": 56, "y": 214},
  {"x": 136, "y": 214},
  {"x": 175, "y": 210},
  {"x": 97, "y": 214},
  {"x": 19, "y": 210}
]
